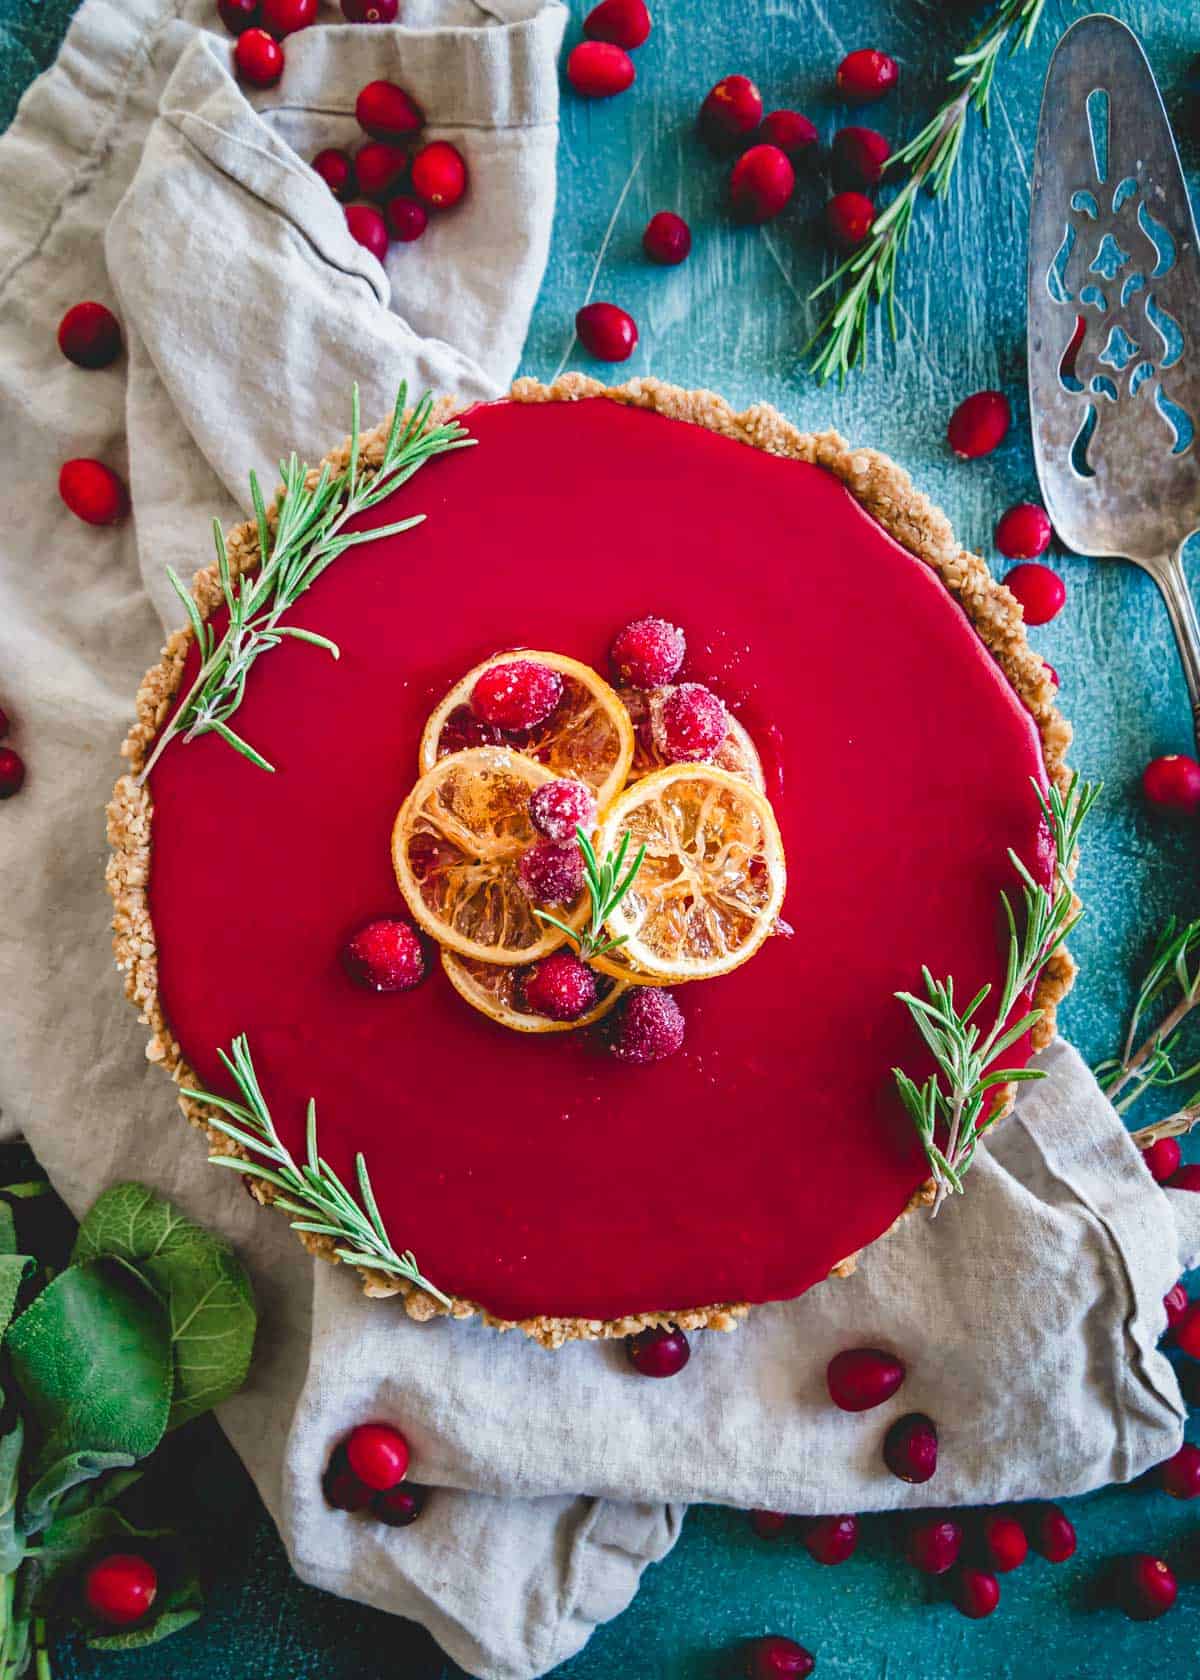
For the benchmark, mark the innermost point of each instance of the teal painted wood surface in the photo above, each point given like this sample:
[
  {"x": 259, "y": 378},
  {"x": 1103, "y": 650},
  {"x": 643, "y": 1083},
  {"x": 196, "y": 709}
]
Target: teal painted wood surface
[{"x": 735, "y": 317}]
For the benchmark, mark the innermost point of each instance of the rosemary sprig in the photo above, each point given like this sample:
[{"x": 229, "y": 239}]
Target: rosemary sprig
[
  {"x": 310, "y": 533},
  {"x": 869, "y": 275},
  {"x": 312, "y": 1193},
  {"x": 1174, "y": 967},
  {"x": 954, "y": 1098},
  {"x": 606, "y": 888}
]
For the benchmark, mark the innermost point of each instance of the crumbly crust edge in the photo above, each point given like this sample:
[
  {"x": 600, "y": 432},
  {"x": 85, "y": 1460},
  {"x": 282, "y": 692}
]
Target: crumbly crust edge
[{"x": 884, "y": 489}]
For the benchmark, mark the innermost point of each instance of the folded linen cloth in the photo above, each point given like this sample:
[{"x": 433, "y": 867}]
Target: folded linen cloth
[{"x": 247, "y": 312}]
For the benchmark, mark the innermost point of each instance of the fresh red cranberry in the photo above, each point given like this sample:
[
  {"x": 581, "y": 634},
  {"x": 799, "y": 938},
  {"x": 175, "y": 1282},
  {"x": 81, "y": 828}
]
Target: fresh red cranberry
[
  {"x": 731, "y": 111},
  {"x": 831, "y": 1539},
  {"x": 979, "y": 424},
  {"x": 667, "y": 239},
  {"x": 849, "y": 217},
  {"x": 1180, "y": 1475},
  {"x": 606, "y": 331},
  {"x": 934, "y": 1545},
  {"x": 777, "y": 1658},
  {"x": 400, "y": 1506},
  {"x": 4, "y": 723},
  {"x": 1187, "y": 1330},
  {"x": 550, "y": 873},
  {"x": 285, "y": 17},
  {"x": 1172, "y": 782},
  {"x": 378, "y": 1455},
  {"x": 598, "y": 70},
  {"x": 1023, "y": 532},
  {"x": 1041, "y": 592},
  {"x": 858, "y": 156},
  {"x": 93, "y": 492},
  {"x": 1163, "y": 1158},
  {"x": 384, "y": 956},
  {"x": 769, "y": 1525},
  {"x": 336, "y": 169},
  {"x": 688, "y": 723},
  {"x": 790, "y": 131},
  {"x": 386, "y": 112},
  {"x": 341, "y": 1487},
  {"x": 649, "y": 1028},
  {"x": 89, "y": 335},
  {"x": 1051, "y": 673},
  {"x": 660, "y": 1351},
  {"x": 557, "y": 809},
  {"x": 121, "y": 1588},
  {"x": 1004, "y": 1541},
  {"x": 861, "y": 1378},
  {"x": 1053, "y": 1533},
  {"x": 238, "y": 15},
  {"x": 623, "y": 23},
  {"x": 910, "y": 1448},
  {"x": 1146, "y": 1587},
  {"x": 407, "y": 218},
  {"x": 378, "y": 168},
  {"x": 259, "y": 58},
  {"x": 866, "y": 75},
  {"x": 368, "y": 227},
  {"x": 761, "y": 184},
  {"x": 648, "y": 653},
  {"x": 12, "y": 772},
  {"x": 370, "y": 11},
  {"x": 976, "y": 1593},
  {"x": 439, "y": 175},
  {"x": 1187, "y": 1178},
  {"x": 516, "y": 694},
  {"x": 1175, "y": 1304},
  {"x": 560, "y": 987}
]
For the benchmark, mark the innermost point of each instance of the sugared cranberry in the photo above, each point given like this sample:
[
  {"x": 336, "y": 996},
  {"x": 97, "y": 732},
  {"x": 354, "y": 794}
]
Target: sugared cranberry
[
  {"x": 516, "y": 694},
  {"x": 1187, "y": 1330},
  {"x": 777, "y": 1658},
  {"x": 1004, "y": 1541},
  {"x": 1053, "y": 1533},
  {"x": 1180, "y": 1475},
  {"x": 1172, "y": 782},
  {"x": 378, "y": 1455},
  {"x": 649, "y": 1028},
  {"x": 285, "y": 17},
  {"x": 831, "y": 1539},
  {"x": 439, "y": 175},
  {"x": 121, "y": 1588},
  {"x": 1187, "y": 1178},
  {"x": 386, "y": 112},
  {"x": 560, "y": 987},
  {"x": 407, "y": 218},
  {"x": 259, "y": 58},
  {"x": 934, "y": 1545},
  {"x": 1163, "y": 1158},
  {"x": 790, "y": 131},
  {"x": 861, "y": 1378},
  {"x": 648, "y": 653},
  {"x": 976, "y": 1593},
  {"x": 1041, "y": 592},
  {"x": 89, "y": 335},
  {"x": 910, "y": 1448},
  {"x": 761, "y": 183},
  {"x": 341, "y": 1487},
  {"x": 858, "y": 156},
  {"x": 370, "y": 11},
  {"x": 978, "y": 424},
  {"x": 731, "y": 111},
  {"x": 378, "y": 168},
  {"x": 688, "y": 723},
  {"x": 849, "y": 217},
  {"x": 1023, "y": 532},
  {"x": 93, "y": 492},
  {"x": 368, "y": 227},
  {"x": 12, "y": 772},
  {"x": 384, "y": 956},
  {"x": 769, "y": 1525},
  {"x": 557, "y": 809},
  {"x": 550, "y": 873},
  {"x": 400, "y": 1506},
  {"x": 606, "y": 331},
  {"x": 598, "y": 70},
  {"x": 866, "y": 75},
  {"x": 1175, "y": 1304},
  {"x": 336, "y": 169},
  {"x": 661, "y": 1351},
  {"x": 667, "y": 238},
  {"x": 237, "y": 15},
  {"x": 1146, "y": 1587},
  {"x": 623, "y": 23}
]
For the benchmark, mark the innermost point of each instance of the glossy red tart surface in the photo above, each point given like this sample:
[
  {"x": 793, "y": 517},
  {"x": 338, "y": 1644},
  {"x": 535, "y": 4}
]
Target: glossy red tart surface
[{"x": 537, "y": 1175}]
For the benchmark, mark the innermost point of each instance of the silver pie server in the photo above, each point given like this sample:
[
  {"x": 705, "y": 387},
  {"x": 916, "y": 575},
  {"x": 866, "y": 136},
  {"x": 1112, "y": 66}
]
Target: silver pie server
[{"x": 1114, "y": 319}]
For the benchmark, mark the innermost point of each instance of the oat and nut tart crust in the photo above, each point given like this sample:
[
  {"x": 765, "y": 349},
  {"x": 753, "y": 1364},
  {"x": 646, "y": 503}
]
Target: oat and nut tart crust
[{"x": 881, "y": 487}]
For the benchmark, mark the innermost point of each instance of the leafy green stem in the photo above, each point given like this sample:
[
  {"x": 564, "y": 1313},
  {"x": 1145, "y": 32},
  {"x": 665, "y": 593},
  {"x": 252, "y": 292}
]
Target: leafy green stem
[
  {"x": 607, "y": 886},
  {"x": 1147, "y": 1058}
]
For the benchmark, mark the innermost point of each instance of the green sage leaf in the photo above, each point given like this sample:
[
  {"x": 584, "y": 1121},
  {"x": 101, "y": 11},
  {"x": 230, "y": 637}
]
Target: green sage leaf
[{"x": 59, "y": 1491}]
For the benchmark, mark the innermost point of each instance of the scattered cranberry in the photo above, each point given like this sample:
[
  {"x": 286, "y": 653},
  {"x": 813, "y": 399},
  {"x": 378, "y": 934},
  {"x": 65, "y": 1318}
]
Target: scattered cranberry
[
  {"x": 238, "y": 15},
  {"x": 623, "y": 23},
  {"x": 1187, "y": 1330},
  {"x": 561, "y": 987},
  {"x": 688, "y": 724},
  {"x": 648, "y": 653},
  {"x": 557, "y": 809},
  {"x": 1004, "y": 1542},
  {"x": 849, "y": 217},
  {"x": 516, "y": 694},
  {"x": 341, "y": 1487},
  {"x": 121, "y": 1588},
  {"x": 386, "y": 112},
  {"x": 598, "y": 70},
  {"x": 790, "y": 131},
  {"x": 1146, "y": 1587},
  {"x": 1163, "y": 1158},
  {"x": 1187, "y": 1178},
  {"x": 285, "y": 17},
  {"x": 370, "y": 11},
  {"x": 667, "y": 238},
  {"x": 368, "y": 227},
  {"x": 650, "y": 1027},
  {"x": 407, "y": 218},
  {"x": 1051, "y": 673},
  {"x": 866, "y": 75},
  {"x": 934, "y": 1545},
  {"x": 12, "y": 772},
  {"x": 606, "y": 331},
  {"x": 976, "y": 1593},
  {"x": 1175, "y": 1304},
  {"x": 259, "y": 58},
  {"x": 761, "y": 184},
  {"x": 1180, "y": 1475},
  {"x": 978, "y": 424},
  {"x": 1053, "y": 1534},
  {"x": 337, "y": 171},
  {"x": 777, "y": 1658},
  {"x": 1172, "y": 782},
  {"x": 861, "y": 1378},
  {"x": 439, "y": 175},
  {"x": 731, "y": 111},
  {"x": 550, "y": 873},
  {"x": 378, "y": 1455},
  {"x": 400, "y": 1506},
  {"x": 89, "y": 335},
  {"x": 1041, "y": 592},
  {"x": 910, "y": 1448},
  {"x": 769, "y": 1525},
  {"x": 378, "y": 168},
  {"x": 1023, "y": 532},
  {"x": 831, "y": 1539},
  {"x": 858, "y": 156},
  {"x": 661, "y": 1351},
  {"x": 4, "y": 722},
  {"x": 93, "y": 492},
  {"x": 384, "y": 956}
]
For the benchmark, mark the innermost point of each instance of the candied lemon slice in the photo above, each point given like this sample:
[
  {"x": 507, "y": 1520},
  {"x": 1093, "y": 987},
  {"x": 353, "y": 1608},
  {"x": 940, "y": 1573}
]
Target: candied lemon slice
[
  {"x": 737, "y": 753},
  {"x": 496, "y": 992}
]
